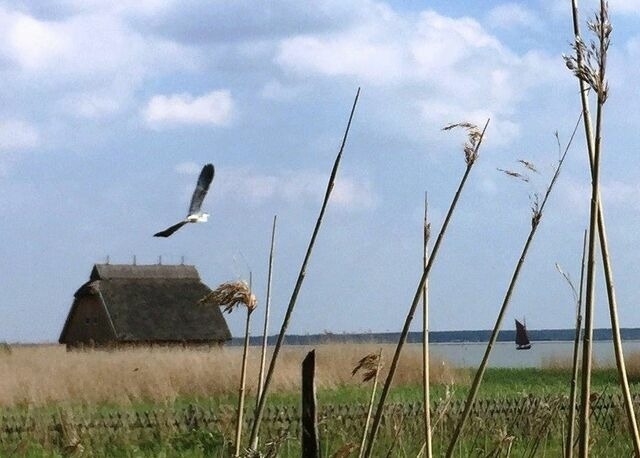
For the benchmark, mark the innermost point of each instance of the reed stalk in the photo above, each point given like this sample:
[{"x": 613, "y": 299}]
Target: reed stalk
[
  {"x": 535, "y": 222},
  {"x": 425, "y": 333},
  {"x": 471, "y": 154},
  {"x": 579, "y": 63},
  {"x": 376, "y": 375},
  {"x": 243, "y": 383},
  {"x": 267, "y": 307},
  {"x": 575, "y": 360},
  {"x": 231, "y": 295},
  {"x": 577, "y": 296},
  {"x": 294, "y": 296}
]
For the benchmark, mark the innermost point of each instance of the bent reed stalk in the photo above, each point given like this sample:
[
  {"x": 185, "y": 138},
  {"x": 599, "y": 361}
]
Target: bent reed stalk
[
  {"x": 535, "y": 222},
  {"x": 267, "y": 306},
  {"x": 571, "y": 427},
  {"x": 579, "y": 63},
  {"x": 471, "y": 154},
  {"x": 253, "y": 441}
]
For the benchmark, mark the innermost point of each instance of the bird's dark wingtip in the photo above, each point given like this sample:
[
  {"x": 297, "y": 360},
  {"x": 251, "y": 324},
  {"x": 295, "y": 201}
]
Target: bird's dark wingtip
[{"x": 209, "y": 170}]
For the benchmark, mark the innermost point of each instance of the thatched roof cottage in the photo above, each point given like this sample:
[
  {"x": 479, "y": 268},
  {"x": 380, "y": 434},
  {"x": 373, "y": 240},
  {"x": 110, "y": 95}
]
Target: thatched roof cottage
[{"x": 143, "y": 304}]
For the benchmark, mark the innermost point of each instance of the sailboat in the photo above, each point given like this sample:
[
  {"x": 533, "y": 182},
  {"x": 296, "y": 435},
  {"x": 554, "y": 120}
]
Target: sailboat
[{"x": 522, "y": 338}]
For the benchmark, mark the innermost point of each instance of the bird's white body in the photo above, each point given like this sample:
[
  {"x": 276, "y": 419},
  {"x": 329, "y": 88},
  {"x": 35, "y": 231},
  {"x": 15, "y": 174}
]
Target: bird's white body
[
  {"x": 198, "y": 218},
  {"x": 194, "y": 215}
]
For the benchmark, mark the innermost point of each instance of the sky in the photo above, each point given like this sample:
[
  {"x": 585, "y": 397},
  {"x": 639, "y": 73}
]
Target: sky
[{"x": 109, "y": 110}]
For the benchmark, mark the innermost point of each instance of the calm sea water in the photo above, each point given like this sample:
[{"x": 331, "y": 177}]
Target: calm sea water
[{"x": 504, "y": 354}]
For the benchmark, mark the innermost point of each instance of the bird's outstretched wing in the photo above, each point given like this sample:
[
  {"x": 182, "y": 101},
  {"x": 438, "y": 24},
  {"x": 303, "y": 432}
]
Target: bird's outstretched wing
[
  {"x": 204, "y": 181},
  {"x": 167, "y": 232}
]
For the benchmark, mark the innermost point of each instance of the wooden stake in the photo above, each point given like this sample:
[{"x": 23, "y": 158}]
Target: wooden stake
[{"x": 310, "y": 438}]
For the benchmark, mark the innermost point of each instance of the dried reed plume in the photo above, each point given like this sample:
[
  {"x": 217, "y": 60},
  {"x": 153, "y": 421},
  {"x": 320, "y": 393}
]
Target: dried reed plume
[
  {"x": 513, "y": 174},
  {"x": 370, "y": 365},
  {"x": 589, "y": 66},
  {"x": 231, "y": 295},
  {"x": 589, "y": 61},
  {"x": 475, "y": 137},
  {"x": 528, "y": 165}
]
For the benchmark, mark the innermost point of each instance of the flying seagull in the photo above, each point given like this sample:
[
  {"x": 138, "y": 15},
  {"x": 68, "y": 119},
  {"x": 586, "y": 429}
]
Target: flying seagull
[{"x": 194, "y": 215}]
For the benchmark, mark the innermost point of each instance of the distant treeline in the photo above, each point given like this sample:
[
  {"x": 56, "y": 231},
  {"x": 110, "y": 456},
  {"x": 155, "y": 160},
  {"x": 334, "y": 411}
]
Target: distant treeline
[{"x": 440, "y": 337}]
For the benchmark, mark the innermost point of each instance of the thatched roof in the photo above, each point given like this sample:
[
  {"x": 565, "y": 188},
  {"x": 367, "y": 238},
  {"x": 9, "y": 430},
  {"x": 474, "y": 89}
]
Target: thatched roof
[
  {"x": 155, "y": 303},
  {"x": 122, "y": 271}
]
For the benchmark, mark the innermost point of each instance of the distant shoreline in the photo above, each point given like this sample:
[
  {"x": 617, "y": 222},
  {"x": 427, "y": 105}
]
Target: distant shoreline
[{"x": 539, "y": 335}]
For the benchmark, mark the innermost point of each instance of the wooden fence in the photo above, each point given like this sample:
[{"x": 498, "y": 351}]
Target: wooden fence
[{"x": 523, "y": 414}]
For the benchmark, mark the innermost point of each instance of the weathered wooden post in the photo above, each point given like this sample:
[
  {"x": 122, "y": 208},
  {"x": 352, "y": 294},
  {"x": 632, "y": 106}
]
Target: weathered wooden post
[{"x": 310, "y": 442}]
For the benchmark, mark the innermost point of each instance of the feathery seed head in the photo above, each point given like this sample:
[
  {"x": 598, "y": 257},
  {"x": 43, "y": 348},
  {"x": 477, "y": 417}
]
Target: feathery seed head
[
  {"x": 369, "y": 365},
  {"x": 473, "y": 140},
  {"x": 230, "y": 295}
]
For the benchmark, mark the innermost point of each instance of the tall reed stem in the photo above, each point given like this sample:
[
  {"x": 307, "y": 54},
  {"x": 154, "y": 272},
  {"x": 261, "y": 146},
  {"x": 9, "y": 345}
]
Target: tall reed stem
[
  {"x": 243, "y": 382},
  {"x": 425, "y": 334},
  {"x": 475, "y": 386},
  {"x": 267, "y": 307},
  {"x": 371, "y": 400},
  {"x": 294, "y": 296},
  {"x": 416, "y": 299},
  {"x": 608, "y": 273},
  {"x": 576, "y": 353}
]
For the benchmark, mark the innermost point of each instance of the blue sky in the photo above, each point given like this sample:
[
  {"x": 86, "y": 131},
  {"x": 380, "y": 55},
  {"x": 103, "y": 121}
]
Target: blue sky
[{"x": 109, "y": 111}]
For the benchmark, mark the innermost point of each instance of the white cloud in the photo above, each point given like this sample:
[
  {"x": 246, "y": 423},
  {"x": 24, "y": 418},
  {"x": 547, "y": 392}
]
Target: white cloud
[
  {"x": 88, "y": 63},
  {"x": 34, "y": 44},
  {"x": 513, "y": 16},
  {"x": 590, "y": 6},
  {"x": 357, "y": 53},
  {"x": 214, "y": 108},
  {"x": 615, "y": 194},
  {"x": 188, "y": 168},
  {"x": 625, "y": 6},
  {"x": 17, "y": 135},
  {"x": 275, "y": 90},
  {"x": 92, "y": 105},
  {"x": 295, "y": 187},
  {"x": 501, "y": 132},
  {"x": 453, "y": 68}
]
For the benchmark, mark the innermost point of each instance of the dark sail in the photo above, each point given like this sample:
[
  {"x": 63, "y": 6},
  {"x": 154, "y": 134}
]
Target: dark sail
[{"x": 522, "y": 338}]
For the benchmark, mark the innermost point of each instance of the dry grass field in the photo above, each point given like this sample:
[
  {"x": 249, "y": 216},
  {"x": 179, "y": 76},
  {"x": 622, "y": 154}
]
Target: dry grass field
[{"x": 46, "y": 374}]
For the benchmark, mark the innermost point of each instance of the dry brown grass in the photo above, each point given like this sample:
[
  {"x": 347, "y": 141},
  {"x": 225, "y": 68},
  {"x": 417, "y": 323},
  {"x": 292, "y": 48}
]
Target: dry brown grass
[
  {"x": 39, "y": 375},
  {"x": 632, "y": 360}
]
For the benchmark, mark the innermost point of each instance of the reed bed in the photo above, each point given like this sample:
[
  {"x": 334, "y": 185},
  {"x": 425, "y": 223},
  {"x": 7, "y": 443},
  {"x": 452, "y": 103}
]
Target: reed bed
[
  {"x": 563, "y": 363},
  {"x": 48, "y": 374}
]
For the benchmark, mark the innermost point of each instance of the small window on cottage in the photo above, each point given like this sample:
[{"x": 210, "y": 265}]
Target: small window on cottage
[
  {"x": 87, "y": 321},
  {"x": 95, "y": 321}
]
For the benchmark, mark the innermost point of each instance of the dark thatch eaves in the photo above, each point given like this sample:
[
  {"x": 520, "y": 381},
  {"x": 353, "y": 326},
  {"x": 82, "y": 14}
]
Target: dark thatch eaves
[{"x": 143, "y": 304}]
